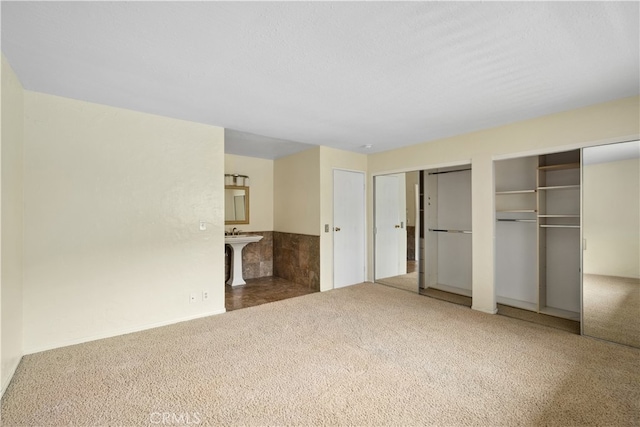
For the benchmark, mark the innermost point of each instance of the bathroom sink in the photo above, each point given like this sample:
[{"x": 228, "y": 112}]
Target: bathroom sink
[
  {"x": 242, "y": 238},
  {"x": 237, "y": 243}
]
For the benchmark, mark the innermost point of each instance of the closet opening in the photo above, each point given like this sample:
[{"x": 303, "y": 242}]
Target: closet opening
[
  {"x": 537, "y": 238},
  {"x": 445, "y": 258}
]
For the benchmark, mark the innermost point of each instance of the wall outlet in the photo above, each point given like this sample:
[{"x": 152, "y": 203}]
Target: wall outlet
[
  {"x": 193, "y": 297},
  {"x": 203, "y": 226},
  {"x": 205, "y": 295}
]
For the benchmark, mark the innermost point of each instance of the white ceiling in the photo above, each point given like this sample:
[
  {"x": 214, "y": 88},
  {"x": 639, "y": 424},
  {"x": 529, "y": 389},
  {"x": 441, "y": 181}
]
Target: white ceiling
[{"x": 341, "y": 74}]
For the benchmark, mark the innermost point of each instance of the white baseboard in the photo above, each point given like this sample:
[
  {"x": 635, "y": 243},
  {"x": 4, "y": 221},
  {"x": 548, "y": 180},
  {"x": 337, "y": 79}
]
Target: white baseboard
[
  {"x": 123, "y": 331},
  {"x": 7, "y": 379}
]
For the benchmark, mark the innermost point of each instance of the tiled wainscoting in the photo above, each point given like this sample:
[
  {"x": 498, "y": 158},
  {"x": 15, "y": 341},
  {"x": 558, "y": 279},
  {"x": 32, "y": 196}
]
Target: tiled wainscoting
[
  {"x": 296, "y": 257},
  {"x": 257, "y": 258}
]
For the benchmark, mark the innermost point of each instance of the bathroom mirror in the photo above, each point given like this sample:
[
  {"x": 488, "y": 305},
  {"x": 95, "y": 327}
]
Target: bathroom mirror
[
  {"x": 236, "y": 205},
  {"x": 611, "y": 246}
]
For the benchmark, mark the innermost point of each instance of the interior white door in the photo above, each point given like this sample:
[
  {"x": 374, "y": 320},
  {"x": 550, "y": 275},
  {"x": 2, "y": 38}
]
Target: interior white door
[
  {"x": 390, "y": 233},
  {"x": 348, "y": 228}
]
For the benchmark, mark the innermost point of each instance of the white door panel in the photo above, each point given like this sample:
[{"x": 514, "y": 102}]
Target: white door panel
[
  {"x": 348, "y": 228},
  {"x": 390, "y": 232}
]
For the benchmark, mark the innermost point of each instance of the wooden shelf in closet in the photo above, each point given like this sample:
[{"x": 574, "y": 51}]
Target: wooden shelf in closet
[
  {"x": 502, "y": 193},
  {"x": 559, "y": 167},
  {"x": 517, "y": 211}
]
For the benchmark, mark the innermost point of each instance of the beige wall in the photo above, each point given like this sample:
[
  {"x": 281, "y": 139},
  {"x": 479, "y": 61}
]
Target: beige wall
[
  {"x": 331, "y": 159},
  {"x": 11, "y": 212},
  {"x": 608, "y": 122},
  {"x": 296, "y": 189},
  {"x": 260, "y": 173},
  {"x": 611, "y": 218},
  {"x": 113, "y": 202}
]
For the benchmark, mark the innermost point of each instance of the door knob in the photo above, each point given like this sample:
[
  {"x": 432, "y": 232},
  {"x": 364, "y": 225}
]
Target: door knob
[
  {"x": 397, "y": 226},
  {"x": 337, "y": 228}
]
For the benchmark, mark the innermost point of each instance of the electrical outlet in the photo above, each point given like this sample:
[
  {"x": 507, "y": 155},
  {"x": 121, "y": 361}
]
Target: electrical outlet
[
  {"x": 203, "y": 226},
  {"x": 205, "y": 295},
  {"x": 193, "y": 297}
]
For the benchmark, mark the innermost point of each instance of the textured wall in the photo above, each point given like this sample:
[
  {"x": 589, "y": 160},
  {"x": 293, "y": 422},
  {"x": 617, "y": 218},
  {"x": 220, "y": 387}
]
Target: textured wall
[
  {"x": 113, "y": 203},
  {"x": 260, "y": 172},
  {"x": 297, "y": 193},
  {"x": 11, "y": 225},
  {"x": 611, "y": 218}
]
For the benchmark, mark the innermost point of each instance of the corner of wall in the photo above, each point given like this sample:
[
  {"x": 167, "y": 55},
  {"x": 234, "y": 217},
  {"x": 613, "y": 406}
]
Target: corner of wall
[{"x": 11, "y": 223}]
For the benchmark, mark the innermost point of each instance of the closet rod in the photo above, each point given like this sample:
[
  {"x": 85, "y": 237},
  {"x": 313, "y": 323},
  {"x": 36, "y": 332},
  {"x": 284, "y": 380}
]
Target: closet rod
[
  {"x": 457, "y": 170},
  {"x": 440, "y": 230},
  {"x": 516, "y": 220}
]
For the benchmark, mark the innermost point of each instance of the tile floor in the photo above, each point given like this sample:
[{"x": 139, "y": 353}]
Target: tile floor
[{"x": 261, "y": 291}]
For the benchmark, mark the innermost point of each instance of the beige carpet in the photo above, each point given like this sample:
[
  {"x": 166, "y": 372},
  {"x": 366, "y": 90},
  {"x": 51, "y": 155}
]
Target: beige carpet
[
  {"x": 408, "y": 282},
  {"x": 612, "y": 308},
  {"x": 362, "y": 355}
]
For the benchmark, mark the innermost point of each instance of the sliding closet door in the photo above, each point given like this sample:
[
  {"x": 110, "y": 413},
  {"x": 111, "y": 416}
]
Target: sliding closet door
[{"x": 611, "y": 243}]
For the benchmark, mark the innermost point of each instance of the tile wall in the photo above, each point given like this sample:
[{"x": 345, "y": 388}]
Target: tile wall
[{"x": 297, "y": 258}]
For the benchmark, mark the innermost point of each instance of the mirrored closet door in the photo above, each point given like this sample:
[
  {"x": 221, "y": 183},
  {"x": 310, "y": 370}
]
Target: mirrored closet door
[
  {"x": 611, "y": 243},
  {"x": 397, "y": 222}
]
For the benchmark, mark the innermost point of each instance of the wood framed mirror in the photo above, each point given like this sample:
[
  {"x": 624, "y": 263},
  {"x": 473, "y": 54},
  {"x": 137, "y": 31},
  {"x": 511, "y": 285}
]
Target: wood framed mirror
[{"x": 236, "y": 204}]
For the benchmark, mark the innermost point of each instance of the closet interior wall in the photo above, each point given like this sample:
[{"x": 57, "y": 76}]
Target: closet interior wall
[{"x": 445, "y": 261}]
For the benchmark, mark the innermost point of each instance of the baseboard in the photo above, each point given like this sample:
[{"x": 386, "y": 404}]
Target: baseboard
[
  {"x": 8, "y": 379},
  {"x": 123, "y": 331}
]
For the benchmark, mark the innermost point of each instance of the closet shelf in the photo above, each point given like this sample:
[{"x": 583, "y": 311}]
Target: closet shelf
[
  {"x": 559, "y": 226},
  {"x": 559, "y": 216},
  {"x": 518, "y": 211},
  {"x": 561, "y": 187},
  {"x": 515, "y": 220},
  {"x": 559, "y": 167},
  {"x": 499, "y": 193}
]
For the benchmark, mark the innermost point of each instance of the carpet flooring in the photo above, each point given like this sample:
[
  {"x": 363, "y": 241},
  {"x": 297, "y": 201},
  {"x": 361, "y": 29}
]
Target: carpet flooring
[
  {"x": 407, "y": 282},
  {"x": 361, "y": 355},
  {"x": 612, "y": 308}
]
